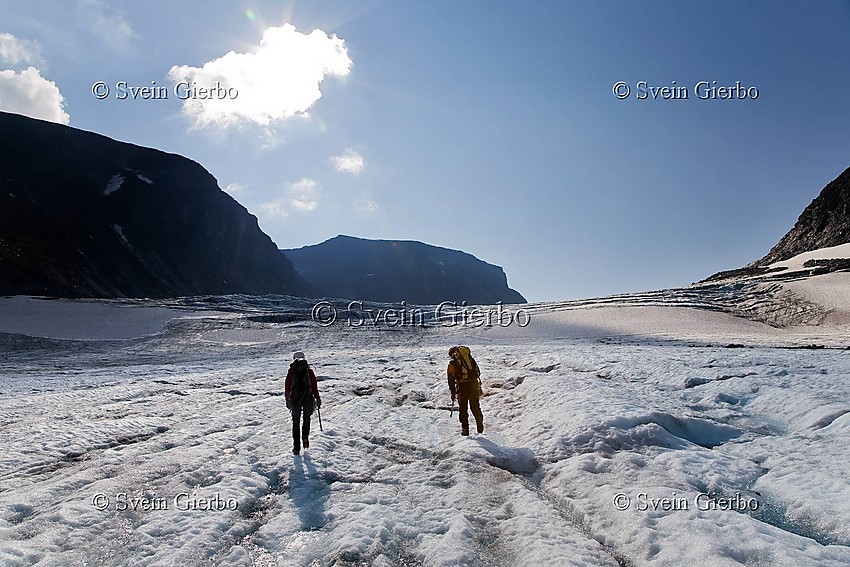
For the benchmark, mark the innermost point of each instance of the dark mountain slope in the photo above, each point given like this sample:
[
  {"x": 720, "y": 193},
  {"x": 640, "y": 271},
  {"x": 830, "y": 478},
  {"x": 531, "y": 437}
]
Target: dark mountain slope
[
  {"x": 824, "y": 223},
  {"x": 82, "y": 215}
]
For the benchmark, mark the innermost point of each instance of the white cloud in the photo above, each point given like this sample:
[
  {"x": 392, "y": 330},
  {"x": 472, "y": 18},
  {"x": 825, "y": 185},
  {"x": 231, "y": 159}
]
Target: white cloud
[
  {"x": 30, "y": 94},
  {"x": 278, "y": 81},
  {"x": 14, "y": 51},
  {"x": 302, "y": 196},
  {"x": 274, "y": 210},
  {"x": 27, "y": 92},
  {"x": 349, "y": 162},
  {"x": 235, "y": 189},
  {"x": 106, "y": 23},
  {"x": 365, "y": 206},
  {"x": 303, "y": 205}
]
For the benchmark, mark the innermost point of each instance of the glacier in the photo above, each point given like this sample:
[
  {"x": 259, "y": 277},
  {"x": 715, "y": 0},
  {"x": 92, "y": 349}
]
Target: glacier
[{"x": 652, "y": 429}]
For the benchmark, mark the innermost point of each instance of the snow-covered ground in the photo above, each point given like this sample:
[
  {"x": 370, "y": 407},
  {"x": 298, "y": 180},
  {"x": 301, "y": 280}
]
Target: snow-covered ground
[{"x": 651, "y": 429}]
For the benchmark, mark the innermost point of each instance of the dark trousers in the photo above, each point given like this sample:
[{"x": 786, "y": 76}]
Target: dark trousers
[
  {"x": 467, "y": 394},
  {"x": 305, "y": 408}
]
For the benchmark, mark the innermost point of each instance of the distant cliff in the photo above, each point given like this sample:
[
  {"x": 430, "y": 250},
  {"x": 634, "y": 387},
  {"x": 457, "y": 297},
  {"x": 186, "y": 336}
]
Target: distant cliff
[
  {"x": 398, "y": 270},
  {"x": 82, "y": 215}
]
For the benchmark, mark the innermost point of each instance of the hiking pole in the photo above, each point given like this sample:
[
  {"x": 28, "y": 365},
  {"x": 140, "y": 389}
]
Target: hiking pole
[{"x": 319, "y": 411}]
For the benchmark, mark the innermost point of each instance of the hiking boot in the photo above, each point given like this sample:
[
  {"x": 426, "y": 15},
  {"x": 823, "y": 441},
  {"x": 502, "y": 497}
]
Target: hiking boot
[
  {"x": 480, "y": 425},
  {"x": 306, "y": 443},
  {"x": 296, "y": 450},
  {"x": 465, "y": 432}
]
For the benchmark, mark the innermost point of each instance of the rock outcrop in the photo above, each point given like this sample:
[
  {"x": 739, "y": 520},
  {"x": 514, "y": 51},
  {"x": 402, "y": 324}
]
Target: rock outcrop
[{"x": 824, "y": 223}]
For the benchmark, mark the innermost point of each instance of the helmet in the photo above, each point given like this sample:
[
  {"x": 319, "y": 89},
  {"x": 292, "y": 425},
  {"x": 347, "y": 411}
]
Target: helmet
[{"x": 298, "y": 355}]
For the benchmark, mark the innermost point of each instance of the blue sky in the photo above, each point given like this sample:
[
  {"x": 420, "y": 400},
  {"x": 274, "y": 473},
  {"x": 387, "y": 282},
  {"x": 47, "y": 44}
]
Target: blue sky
[{"x": 489, "y": 127}]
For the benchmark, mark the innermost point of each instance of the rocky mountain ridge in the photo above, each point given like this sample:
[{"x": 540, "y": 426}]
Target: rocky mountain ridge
[
  {"x": 400, "y": 270},
  {"x": 82, "y": 215},
  {"x": 825, "y": 223}
]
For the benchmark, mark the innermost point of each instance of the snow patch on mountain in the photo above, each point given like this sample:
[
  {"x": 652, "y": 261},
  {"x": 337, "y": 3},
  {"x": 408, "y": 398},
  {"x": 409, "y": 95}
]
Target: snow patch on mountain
[
  {"x": 120, "y": 232},
  {"x": 114, "y": 184},
  {"x": 796, "y": 263}
]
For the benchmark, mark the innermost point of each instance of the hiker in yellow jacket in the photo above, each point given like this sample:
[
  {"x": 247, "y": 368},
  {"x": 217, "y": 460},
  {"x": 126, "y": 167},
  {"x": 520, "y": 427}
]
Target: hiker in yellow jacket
[{"x": 465, "y": 386}]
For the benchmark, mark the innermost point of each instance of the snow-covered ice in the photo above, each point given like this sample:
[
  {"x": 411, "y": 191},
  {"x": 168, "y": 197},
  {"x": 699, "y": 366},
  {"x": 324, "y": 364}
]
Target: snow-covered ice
[
  {"x": 618, "y": 432},
  {"x": 80, "y": 320}
]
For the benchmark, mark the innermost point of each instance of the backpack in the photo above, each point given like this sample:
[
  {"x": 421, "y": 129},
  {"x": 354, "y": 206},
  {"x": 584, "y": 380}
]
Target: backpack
[
  {"x": 300, "y": 381},
  {"x": 469, "y": 370}
]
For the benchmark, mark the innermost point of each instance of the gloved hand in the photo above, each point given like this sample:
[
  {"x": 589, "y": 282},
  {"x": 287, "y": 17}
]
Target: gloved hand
[
  {"x": 318, "y": 403},
  {"x": 289, "y": 404},
  {"x": 453, "y": 398}
]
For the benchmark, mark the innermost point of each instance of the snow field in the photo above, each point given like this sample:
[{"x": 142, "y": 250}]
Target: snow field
[
  {"x": 165, "y": 425},
  {"x": 624, "y": 446}
]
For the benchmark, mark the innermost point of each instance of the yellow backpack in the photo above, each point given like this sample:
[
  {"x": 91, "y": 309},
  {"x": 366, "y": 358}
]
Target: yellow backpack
[{"x": 469, "y": 370}]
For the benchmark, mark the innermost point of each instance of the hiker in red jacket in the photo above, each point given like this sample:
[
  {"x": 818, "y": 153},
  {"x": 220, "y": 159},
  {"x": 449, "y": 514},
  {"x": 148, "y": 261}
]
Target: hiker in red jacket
[{"x": 301, "y": 394}]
